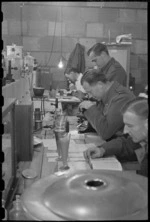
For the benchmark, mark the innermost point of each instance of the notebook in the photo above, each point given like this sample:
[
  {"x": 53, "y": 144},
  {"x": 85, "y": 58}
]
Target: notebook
[{"x": 107, "y": 163}]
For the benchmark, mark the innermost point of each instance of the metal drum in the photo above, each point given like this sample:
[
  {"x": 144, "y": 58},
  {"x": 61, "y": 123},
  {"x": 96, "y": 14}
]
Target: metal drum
[{"x": 88, "y": 195}]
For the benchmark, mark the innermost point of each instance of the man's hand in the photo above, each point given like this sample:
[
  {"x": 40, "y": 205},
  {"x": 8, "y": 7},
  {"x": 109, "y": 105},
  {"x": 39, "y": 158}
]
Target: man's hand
[
  {"x": 86, "y": 104},
  {"x": 72, "y": 86},
  {"x": 93, "y": 152},
  {"x": 78, "y": 94}
]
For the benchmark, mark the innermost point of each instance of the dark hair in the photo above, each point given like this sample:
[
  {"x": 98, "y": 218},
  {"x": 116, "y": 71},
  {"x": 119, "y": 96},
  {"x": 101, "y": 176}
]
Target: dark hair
[
  {"x": 98, "y": 48},
  {"x": 138, "y": 106},
  {"x": 71, "y": 69},
  {"x": 92, "y": 76}
]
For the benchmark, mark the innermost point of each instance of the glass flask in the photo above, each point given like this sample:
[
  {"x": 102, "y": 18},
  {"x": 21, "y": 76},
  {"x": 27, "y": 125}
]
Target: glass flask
[{"x": 17, "y": 212}]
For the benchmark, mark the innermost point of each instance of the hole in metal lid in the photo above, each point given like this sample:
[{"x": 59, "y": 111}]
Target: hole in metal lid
[{"x": 94, "y": 184}]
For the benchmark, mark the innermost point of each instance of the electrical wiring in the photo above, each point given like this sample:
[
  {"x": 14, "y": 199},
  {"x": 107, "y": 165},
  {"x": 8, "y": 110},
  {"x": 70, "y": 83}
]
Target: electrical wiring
[{"x": 52, "y": 40}]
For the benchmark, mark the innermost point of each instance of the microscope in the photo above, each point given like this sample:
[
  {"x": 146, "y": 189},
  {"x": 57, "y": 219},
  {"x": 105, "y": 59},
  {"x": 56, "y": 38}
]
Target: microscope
[{"x": 83, "y": 125}]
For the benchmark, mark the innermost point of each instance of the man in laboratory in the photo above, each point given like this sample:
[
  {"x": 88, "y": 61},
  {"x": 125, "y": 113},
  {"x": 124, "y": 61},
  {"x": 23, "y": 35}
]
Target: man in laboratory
[
  {"x": 74, "y": 76},
  {"x": 135, "y": 118},
  {"x": 112, "y": 69},
  {"x": 105, "y": 116}
]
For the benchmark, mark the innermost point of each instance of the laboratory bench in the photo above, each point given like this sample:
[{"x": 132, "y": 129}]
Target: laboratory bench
[
  {"x": 44, "y": 165},
  {"x": 44, "y": 162}
]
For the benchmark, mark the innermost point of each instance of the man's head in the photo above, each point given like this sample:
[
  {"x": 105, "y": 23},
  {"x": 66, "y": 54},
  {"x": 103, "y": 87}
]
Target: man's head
[
  {"x": 98, "y": 55},
  {"x": 135, "y": 117},
  {"x": 72, "y": 74},
  {"x": 94, "y": 83}
]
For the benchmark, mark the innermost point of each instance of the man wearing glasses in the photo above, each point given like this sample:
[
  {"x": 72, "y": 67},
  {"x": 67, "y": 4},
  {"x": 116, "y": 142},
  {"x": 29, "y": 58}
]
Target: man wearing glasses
[{"x": 105, "y": 116}]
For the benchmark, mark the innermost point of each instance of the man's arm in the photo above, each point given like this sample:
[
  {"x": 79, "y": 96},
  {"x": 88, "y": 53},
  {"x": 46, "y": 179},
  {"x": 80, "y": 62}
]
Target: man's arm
[
  {"x": 107, "y": 121},
  {"x": 122, "y": 147},
  {"x": 79, "y": 94}
]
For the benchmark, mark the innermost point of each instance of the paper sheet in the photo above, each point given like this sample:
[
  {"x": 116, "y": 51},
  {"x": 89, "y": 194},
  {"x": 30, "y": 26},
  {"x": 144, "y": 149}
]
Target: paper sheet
[
  {"x": 76, "y": 159},
  {"x": 51, "y": 159},
  {"x": 52, "y": 154},
  {"x": 70, "y": 159},
  {"x": 78, "y": 165},
  {"x": 75, "y": 135},
  {"x": 73, "y": 147},
  {"x": 75, "y": 154},
  {"x": 107, "y": 163},
  {"x": 49, "y": 143},
  {"x": 75, "y": 165}
]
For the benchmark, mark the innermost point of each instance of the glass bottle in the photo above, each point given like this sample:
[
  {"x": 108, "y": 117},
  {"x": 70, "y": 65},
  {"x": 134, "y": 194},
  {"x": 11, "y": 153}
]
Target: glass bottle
[
  {"x": 61, "y": 122},
  {"x": 17, "y": 212},
  {"x": 37, "y": 114}
]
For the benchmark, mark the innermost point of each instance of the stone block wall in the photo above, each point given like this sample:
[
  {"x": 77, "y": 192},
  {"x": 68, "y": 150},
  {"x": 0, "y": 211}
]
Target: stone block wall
[{"x": 83, "y": 22}]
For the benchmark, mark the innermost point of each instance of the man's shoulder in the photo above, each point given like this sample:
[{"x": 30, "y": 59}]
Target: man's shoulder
[
  {"x": 116, "y": 64},
  {"x": 114, "y": 67},
  {"x": 120, "y": 90}
]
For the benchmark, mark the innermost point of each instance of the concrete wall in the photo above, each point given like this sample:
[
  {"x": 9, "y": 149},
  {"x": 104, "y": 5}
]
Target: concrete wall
[{"x": 83, "y": 22}]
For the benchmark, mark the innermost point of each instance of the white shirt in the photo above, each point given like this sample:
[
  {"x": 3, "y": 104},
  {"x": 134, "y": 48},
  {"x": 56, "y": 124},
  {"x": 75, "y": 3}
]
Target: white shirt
[{"x": 78, "y": 84}]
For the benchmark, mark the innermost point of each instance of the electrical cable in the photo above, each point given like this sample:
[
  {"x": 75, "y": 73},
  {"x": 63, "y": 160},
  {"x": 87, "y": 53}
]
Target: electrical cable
[
  {"x": 21, "y": 8},
  {"x": 52, "y": 40}
]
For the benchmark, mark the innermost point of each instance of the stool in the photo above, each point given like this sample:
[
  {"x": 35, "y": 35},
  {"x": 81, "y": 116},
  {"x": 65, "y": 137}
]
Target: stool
[{"x": 42, "y": 98}]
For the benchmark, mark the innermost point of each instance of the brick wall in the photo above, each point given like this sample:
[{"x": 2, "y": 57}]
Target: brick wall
[{"x": 83, "y": 22}]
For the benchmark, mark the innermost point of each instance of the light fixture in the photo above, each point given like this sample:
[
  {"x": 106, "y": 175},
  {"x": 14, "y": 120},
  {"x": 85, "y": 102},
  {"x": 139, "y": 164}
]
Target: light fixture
[
  {"x": 61, "y": 61},
  {"x": 60, "y": 64}
]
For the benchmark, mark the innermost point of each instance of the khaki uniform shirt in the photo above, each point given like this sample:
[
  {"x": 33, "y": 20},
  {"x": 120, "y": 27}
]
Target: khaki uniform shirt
[
  {"x": 115, "y": 72},
  {"x": 106, "y": 117}
]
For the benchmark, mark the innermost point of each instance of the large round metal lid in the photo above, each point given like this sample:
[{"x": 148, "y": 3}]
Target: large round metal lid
[{"x": 90, "y": 195}]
